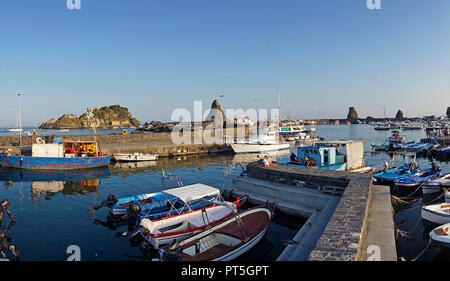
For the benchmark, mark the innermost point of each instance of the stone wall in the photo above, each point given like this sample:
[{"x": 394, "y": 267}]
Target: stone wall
[{"x": 344, "y": 236}]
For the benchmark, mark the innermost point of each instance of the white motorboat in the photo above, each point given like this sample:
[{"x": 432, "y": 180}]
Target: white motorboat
[
  {"x": 437, "y": 213},
  {"x": 436, "y": 185},
  {"x": 441, "y": 235},
  {"x": 260, "y": 143},
  {"x": 383, "y": 126},
  {"x": 179, "y": 227},
  {"x": 134, "y": 157}
]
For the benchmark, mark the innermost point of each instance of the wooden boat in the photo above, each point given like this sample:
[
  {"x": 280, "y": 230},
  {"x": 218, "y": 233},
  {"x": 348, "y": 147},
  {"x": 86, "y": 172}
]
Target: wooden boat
[
  {"x": 224, "y": 241},
  {"x": 436, "y": 185},
  {"x": 441, "y": 235},
  {"x": 134, "y": 157},
  {"x": 178, "y": 227},
  {"x": 437, "y": 213}
]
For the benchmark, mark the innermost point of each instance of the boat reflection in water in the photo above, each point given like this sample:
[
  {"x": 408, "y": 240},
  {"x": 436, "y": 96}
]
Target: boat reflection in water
[{"x": 50, "y": 182}]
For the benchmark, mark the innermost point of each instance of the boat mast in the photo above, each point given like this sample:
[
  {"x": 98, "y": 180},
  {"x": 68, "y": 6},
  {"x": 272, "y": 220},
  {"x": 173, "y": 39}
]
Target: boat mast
[
  {"x": 20, "y": 122},
  {"x": 279, "y": 106}
]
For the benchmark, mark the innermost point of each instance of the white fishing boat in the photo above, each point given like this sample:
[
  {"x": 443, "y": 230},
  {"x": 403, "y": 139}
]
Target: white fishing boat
[
  {"x": 436, "y": 185},
  {"x": 265, "y": 142},
  {"x": 225, "y": 241},
  {"x": 134, "y": 157},
  {"x": 441, "y": 235},
  {"x": 437, "y": 213}
]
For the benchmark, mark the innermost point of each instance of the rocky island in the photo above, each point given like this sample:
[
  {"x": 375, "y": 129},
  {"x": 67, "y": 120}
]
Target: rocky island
[{"x": 105, "y": 117}]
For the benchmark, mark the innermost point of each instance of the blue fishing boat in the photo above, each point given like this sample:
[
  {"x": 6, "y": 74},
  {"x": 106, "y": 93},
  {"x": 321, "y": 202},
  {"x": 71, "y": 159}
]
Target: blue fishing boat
[
  {"x": 420, "y": 147},
  {"x": 442, "y": 153},
  {"x": 60, "y": 155},
  {"x": 170, "y": 202},
  {"x": 415, "y": 179},
  {"x": 388, "y": 177}
]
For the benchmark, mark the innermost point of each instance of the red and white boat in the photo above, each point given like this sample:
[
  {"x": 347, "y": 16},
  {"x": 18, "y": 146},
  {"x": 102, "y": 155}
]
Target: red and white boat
[{"x": 178, "y": 227}]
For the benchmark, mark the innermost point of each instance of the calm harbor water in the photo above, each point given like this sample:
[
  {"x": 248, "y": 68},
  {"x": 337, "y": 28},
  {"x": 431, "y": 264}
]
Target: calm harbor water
[{"x": 53, "y": 214}]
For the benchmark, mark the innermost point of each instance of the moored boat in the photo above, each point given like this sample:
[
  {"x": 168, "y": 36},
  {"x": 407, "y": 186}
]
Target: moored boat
[
  {"x": 162, "y": 231},
  {"x": 437, "y": 213},
  {"x": 441, "y": 235},
  {"x": 388, "y": 177},
  {"x": 66, "y": 155},
  {"x": 134, "y": 157},
  {"x": 225, "y": 241},
  {"x": 436, "y": 185},
  {"x": 158, "y": 205},
  {"x": 416, "y": 179},
  {"x": 267, "y": 141}
]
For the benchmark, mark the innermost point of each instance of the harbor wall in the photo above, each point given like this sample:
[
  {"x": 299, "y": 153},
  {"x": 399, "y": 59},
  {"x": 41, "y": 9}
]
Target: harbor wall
[
  {"x": 159, "y": 143},
  {"x": 354, "y": 220}
]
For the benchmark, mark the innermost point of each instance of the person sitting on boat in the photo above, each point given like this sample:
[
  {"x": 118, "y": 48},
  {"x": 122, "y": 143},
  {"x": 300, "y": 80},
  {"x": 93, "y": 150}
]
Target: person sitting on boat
[
  {"x": 266, "y": 161},
  {"x": 293, "y": 157}
]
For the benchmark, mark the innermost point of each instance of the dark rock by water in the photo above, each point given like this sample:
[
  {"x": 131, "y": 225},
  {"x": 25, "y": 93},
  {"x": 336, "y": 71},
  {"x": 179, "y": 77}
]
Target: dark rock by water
[
  {"x": 399, "y": 115},
  {"x": 352, "y": 115},
  {"x": 104, "y": 117}
]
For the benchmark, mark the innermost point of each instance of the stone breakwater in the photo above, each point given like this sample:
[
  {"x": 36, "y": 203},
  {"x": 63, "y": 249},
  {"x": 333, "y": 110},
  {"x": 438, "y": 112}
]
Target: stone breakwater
[{"x": 159, "y": 143}]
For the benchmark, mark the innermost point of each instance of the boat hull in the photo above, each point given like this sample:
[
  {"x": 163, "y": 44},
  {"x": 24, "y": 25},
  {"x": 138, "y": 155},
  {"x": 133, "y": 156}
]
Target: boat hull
[
  {"x": 53, "y": 163},
  {"x": 255, "y": 148},
  {"x": 134, "y": 158},
  {"x": 433, "y": 214}
]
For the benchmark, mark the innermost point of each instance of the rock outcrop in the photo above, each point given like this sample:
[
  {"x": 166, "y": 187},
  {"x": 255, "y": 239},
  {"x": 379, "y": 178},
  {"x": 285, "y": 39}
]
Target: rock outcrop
[
  {"x": 399, "y": 115},
  {"x": 216, "y": 114},
  {"x": 352, "y": 115},
  {"x": 105, "y": 117}
]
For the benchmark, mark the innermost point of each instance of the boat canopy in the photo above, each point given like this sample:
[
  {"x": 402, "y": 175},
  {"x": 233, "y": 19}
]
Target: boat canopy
[{"x": 193, "y": 192}]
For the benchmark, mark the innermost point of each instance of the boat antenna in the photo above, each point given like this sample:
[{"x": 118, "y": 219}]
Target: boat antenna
[{"x": 90, "y": 115}]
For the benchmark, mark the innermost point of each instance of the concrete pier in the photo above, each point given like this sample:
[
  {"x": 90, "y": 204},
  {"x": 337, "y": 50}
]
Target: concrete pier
[{"x": 349, "y": 219}]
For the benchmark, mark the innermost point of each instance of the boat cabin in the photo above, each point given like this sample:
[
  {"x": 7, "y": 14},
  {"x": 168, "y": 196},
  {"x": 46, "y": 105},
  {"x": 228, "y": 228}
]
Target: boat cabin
[
  {"x": 336, "y": 155},
  {"x": 65, "y": 148}
]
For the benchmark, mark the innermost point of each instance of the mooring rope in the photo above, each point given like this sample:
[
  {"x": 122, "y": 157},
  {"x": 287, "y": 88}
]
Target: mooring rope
[{"x": 429, "y": 242}]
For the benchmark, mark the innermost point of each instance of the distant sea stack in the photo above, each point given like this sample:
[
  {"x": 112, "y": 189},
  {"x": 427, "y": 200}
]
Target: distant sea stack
[
  {"x": 352, "y": 115},
  {"x": 216, "y": 114},
  {"x": 105, "y": 117},
  {"x": 399, "y": 115}
]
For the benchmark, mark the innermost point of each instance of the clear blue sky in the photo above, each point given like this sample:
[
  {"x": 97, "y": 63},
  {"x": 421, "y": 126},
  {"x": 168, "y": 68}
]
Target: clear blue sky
[{"x": 155, "y": 56}]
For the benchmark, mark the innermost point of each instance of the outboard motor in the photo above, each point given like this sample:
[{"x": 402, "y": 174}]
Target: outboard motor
[
  {"x": 132, "y": 211},
  {"x": 109, "y": 202},
  {"x": 435, "y": 167},
  {"x": 172, "y": 252}
]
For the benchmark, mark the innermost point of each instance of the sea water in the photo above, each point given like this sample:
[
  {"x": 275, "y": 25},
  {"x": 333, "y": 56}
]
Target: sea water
[{"x": 53, "y": 215}]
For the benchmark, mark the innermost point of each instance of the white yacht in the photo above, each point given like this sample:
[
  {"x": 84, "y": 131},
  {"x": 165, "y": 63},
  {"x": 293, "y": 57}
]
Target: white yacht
[{"x": 267, "y": 141}]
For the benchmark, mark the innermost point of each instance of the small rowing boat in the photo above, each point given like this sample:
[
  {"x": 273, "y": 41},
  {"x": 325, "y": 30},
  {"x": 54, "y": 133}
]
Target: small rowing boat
[
  {"x": 441, "y": 235},
  {"x": 437, "y": 213}
]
